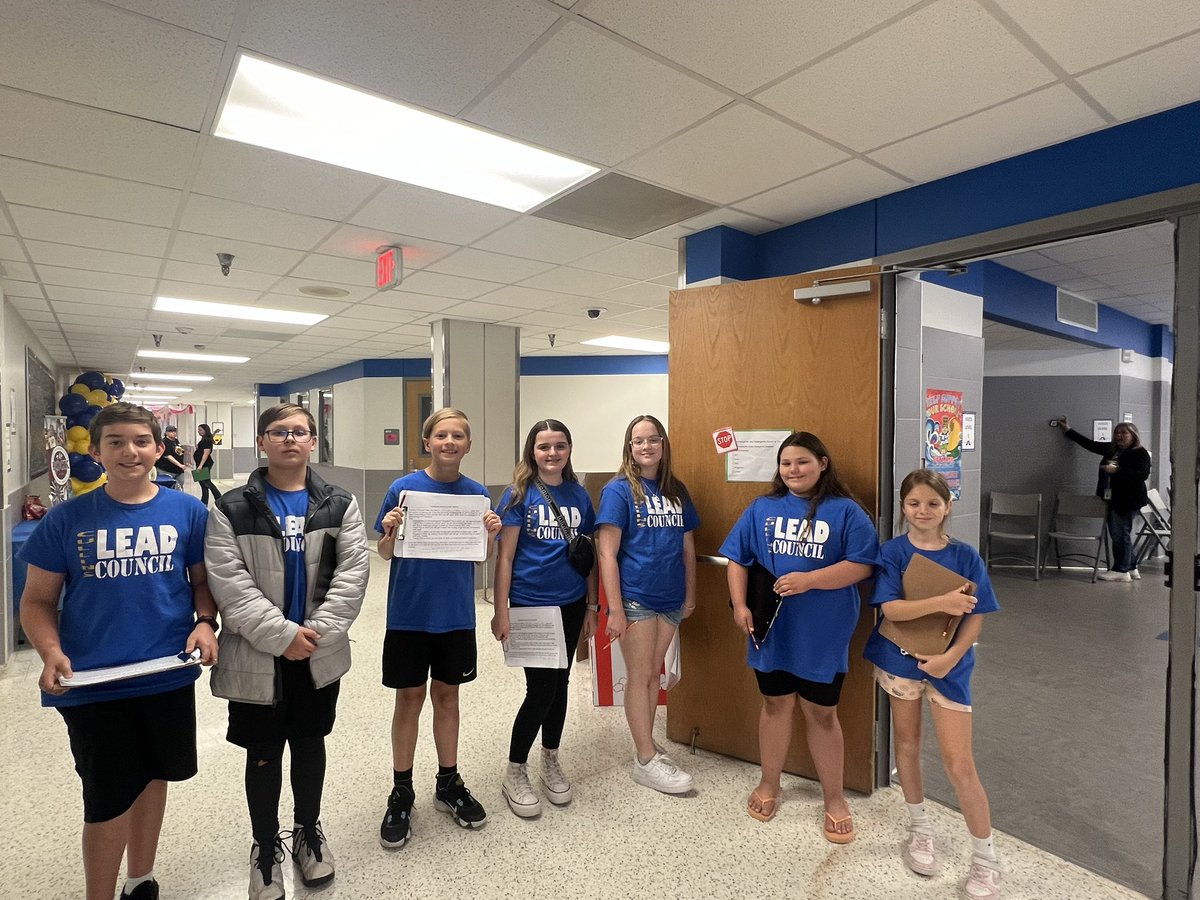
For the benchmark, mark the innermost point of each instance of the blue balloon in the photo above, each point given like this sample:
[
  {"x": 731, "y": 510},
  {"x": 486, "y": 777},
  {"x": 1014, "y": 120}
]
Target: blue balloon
[
  {"x": 86, "y": 469},
  {"x": 75, "y": 457},
  {"x": 85, "y": 418},
  {"x": 117, "y": 389},
  {"x": 96, "y": 381},
  {"x": 72, "y": 404}
]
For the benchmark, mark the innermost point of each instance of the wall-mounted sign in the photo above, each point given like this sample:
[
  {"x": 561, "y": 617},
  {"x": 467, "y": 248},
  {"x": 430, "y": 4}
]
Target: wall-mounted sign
[
  {"x": 968, "y": 436},
  {"x": 391, "y": 437},
  {"x": 1102, "y": 430},
  {"x": 943, "y": 436},
  {"x": 754, "y": 459},
  {"x": 725, "y": 440},
  {"x": 389, "y": 267}
]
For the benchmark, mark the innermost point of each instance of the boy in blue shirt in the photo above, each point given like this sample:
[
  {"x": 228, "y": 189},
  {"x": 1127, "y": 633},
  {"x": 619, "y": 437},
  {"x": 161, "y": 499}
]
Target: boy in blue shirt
[{"x": 130, "y": 556}]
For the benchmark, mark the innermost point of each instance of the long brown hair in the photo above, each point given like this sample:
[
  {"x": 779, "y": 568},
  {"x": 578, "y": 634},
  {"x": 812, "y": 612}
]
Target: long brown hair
[
  {"x": 668, "y": 485},
  {"x": 526, "y": 469},
  {"x": 829, "y": 484}
]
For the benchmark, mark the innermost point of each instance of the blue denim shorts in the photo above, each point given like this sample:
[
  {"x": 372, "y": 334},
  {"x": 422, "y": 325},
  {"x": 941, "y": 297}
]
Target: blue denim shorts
[{"x": 635, "y": 612}]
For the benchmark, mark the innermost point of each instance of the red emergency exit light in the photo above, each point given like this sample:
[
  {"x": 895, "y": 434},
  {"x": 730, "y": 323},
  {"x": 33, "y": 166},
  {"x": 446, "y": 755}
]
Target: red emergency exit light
[{"x": 389, "y": 267}]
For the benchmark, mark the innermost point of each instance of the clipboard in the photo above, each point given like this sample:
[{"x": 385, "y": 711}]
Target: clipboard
[
  {"x": 762, "y": 601},
  {"x": 932, "y": 634},
  {"x": 90, "y": 677}
]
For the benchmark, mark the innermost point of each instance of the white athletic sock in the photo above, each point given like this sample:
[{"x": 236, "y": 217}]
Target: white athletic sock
[
  {"x": 918, "y": 818},
  {"x": 984, "y": 849},
  {"x": 131, "y": 884}
]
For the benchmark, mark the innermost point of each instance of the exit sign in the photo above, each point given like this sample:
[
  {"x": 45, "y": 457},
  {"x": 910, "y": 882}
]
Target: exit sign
[{"x": 389, "y": 267}]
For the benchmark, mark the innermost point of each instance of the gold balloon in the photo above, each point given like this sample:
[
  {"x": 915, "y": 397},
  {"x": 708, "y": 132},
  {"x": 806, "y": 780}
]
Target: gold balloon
[
  {"x": 82, "y": 487},
  {"x": 80, "y": 389},
  {"x": 97, "y": 397},
  {"x": 77, "y": 433}
]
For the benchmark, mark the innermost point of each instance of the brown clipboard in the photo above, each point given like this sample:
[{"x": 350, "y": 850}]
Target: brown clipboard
[{"x": 932, "y": 634}]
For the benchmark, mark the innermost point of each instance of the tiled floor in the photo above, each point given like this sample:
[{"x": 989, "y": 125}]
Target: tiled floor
[{"x": 615, "y": 840}]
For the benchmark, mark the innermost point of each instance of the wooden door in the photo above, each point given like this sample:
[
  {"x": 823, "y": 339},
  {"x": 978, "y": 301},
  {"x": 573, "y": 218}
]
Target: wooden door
[
  {"x": 750, "y": 356},
  {"x": 418, "y": 406}
]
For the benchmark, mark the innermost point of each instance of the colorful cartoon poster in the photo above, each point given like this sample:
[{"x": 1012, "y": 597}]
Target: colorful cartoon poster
[{"x": 943, "y": 435}]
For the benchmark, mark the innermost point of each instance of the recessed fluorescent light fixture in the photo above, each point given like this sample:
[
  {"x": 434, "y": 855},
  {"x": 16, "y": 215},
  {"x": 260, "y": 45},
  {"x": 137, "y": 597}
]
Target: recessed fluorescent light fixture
[
  {"x": 158, "y": 389},
  {"x": 282, "y": 109},
  {"x": 629, "y": 343},
  {"x": 149, "y": 398},
  {"x": 162, "y": 376},
  {"x": 195, "y": 357},
  {"x": 234, "y": 311}
]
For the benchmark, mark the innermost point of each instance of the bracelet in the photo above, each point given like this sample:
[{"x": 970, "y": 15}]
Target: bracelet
[
  {"x": 210, "y": 621},
  {"x": 593, "y": 607}
]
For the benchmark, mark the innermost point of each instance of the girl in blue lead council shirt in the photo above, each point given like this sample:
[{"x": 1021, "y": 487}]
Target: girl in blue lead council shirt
[
  {"x": 944, "y": 679},
  {"x": 819, "y": 543}
]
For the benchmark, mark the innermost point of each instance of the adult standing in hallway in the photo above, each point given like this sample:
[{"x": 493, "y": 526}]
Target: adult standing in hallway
[
  {"x": 1122, "y": 482},
  {"x": 203, "y": 457},
  {"x": 170, "y": 460}
]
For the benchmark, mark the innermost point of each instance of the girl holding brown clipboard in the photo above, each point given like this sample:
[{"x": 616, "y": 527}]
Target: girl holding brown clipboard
[
  {"x": 818, "y": 544},
  {"x": 933, "y": 596}
]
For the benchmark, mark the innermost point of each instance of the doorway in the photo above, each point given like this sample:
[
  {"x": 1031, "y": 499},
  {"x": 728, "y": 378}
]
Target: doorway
[{"x": 418, "y": 406}]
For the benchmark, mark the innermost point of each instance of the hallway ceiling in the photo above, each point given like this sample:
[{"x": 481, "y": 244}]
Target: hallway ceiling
[{"x": 114, "y": 191}]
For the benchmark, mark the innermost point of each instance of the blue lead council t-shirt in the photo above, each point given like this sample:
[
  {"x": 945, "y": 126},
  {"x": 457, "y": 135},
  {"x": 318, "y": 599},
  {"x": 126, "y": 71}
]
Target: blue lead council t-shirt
[
  {"x": 541, "y": 572},
  {"x": 127, "y": 594},
  {"x": 290, "y": 508},
  {"x": 436, "y": 595},
  {"x": 955, "y": 556},
  {"x": 811, "y": 634},
  {"x": 651, "y": 555}
]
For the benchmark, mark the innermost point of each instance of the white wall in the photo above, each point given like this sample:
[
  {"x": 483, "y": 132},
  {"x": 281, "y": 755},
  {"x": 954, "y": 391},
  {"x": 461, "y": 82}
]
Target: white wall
[
  {"x": 382, "y": 407},
  {"x": 596, "y": 408}
]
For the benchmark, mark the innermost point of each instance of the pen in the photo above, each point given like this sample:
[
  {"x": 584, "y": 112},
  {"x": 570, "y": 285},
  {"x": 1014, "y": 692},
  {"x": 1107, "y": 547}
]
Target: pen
[{"x": 403, "y": 518}]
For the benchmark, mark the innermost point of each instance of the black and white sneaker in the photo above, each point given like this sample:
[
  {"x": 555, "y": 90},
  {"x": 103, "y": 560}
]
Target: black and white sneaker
[
  {"x": 266, "y": 872},
  {"x": 311, "y": 853},
  {"x": 147, "y": 890},
  {"x": 396, "y": 828},
  {"x": 455, "y": 799}
]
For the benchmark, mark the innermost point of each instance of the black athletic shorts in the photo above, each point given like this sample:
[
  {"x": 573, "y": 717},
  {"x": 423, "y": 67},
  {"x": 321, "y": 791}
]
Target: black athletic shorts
[
  {"x": 120, "y": 746},
  {"x": 780, "y": 684},
  {"x": 302, "y": 710},
  {"x": 410, "y": 658}
]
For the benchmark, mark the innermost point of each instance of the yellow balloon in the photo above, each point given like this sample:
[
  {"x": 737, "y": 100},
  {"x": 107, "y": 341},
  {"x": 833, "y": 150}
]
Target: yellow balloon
[
  {"x": 81, "y": 446},
  {"x": 98, "y": 397},
  {"x": 82, "y": 487},
  {"x": 80, "y": 389},
  {"x": 77, "y": 433}
]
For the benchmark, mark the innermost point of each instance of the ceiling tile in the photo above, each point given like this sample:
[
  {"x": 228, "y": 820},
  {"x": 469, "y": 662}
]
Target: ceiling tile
[
  {"x": 1036, "y": 120},
  {"x": 216, "y": 293},
  {"x": 16, "y": 270},
  {"x": 119, "y": 61},
  {"x": 1080, "y": 34},
  {"x": 483, "y": 312},
  {"x": 738, "y": 152},
  {"x": 437, "y": 55},
  {"x": 45, "y": 253},
  {"x": 489, "y": 266},
  {"x": 355, "y": 242},
  {"x": 320, "y": 269},
  {"x": 632, "y": 259},
  {"x": 100, "y": 234},
  {"x": 1157, "y": 79},
  {"x": 211, "y": 215},
  {"x": 104, "y": 281},
  {"x": 838, "y": 186},
  {"x": 901, "y": 80},
  {"x": 770, "y": 37},
  {"x": 236, "y": 171},
  {"x": 734, "y": 218},
  {"x": 585, "y": 94},
  {"x": 644, "y": 293},
  {"x": 205, "y": 273},
  {"x": 547, "y": 241},
  {"x": 567, "y": 280},
  {"x": 451, "y": 286},
  {"x": 406, "y": 209},
  {"x": 97, "y": 301},
  {"x": 52, "y": 187},
  {"x": 203, "y": 249},
  {"x": 380, "y": 313},
  {"x": 212, "y": 17}
]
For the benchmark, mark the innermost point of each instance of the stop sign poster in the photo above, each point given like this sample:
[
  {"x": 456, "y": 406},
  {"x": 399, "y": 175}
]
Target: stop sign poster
[{"x": 725, "y": 440}]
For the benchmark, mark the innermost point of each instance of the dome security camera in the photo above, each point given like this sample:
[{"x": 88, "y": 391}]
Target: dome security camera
[{"x": 595, "y": 312}]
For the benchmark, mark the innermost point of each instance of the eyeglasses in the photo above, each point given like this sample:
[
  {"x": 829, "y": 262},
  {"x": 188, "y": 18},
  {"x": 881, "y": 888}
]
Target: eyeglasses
[
  {"x": 646, "y": 442},
  {"x": 279, "y": 435}
]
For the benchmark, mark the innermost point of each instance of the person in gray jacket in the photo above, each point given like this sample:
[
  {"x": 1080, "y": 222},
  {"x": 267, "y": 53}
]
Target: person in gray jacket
[{"x": 288, "y": 565}]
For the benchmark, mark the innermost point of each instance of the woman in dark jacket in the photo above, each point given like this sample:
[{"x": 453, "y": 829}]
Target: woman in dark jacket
[
  {"x": 204, "y": 464},
  {"x": 1123, "y": 472}
]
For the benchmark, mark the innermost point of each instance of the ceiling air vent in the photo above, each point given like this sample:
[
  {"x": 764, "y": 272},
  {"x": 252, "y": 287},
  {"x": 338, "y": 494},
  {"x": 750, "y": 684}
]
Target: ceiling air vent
[{"x": 1073, "y": 310}]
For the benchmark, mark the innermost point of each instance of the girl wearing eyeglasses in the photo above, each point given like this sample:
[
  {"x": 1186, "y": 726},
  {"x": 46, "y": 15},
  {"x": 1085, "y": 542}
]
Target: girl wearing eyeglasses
[
  {"x": 819, "y": 543},
  {"x": 647, "y": 559}
]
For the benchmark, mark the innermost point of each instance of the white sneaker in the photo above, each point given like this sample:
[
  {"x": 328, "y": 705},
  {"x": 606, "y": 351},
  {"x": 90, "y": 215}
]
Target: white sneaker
[
  {"x": 918, "y": 852},
  {"x": 1135, "y": 574},
  {"x": 983, "y": 882},
  {"x": 1115, "y": 576},
  {"x": 554, "y": 780},
  {"x": 521, "y": 797},
  {"x": 312, "y": 855},
  {"x": 662, "y": 775},
  {"x": 263, "y": 885}
]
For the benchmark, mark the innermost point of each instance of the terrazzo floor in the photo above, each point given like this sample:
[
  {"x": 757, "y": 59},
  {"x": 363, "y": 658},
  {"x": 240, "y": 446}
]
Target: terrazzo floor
[{"x": 616, "y": 839}]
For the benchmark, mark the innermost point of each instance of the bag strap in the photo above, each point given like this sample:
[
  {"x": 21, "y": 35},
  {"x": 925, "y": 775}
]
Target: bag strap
[{"x": 563, "y": 528}]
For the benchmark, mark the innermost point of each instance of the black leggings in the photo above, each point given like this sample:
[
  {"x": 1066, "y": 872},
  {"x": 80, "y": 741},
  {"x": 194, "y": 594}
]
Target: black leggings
[
  {"x": 545, "y": 705},
  {"x": 206, "y": 488},
  {"x": 264, "y": 783}
]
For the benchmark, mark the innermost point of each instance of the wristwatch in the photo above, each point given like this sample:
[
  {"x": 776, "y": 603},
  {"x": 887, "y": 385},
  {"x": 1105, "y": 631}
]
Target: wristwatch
[{"x": 210, "y": 621}]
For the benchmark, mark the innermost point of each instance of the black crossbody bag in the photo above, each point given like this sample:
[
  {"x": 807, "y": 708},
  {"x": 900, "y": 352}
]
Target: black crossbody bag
[{"x": 580, "y": 552}]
